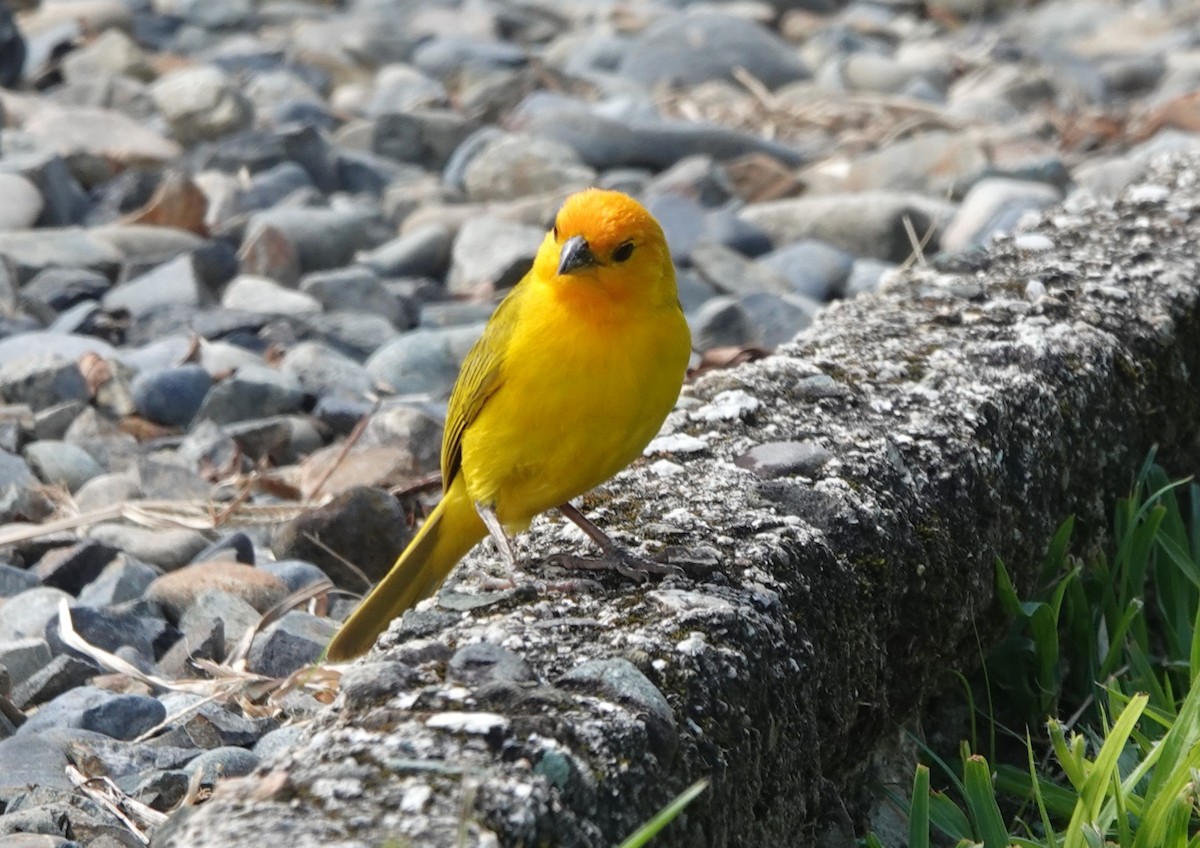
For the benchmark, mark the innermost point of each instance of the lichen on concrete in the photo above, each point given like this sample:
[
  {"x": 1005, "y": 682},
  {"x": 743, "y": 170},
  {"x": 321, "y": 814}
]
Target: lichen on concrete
[{"x": 966, "y": 411}]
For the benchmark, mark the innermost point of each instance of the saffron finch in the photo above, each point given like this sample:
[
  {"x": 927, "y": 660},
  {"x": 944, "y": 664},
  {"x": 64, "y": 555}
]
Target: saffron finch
[{"x": 572, "y": 377}]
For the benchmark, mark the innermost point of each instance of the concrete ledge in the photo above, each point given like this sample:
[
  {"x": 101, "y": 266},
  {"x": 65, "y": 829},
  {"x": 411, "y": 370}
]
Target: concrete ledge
[{"x": 955, "y": 418}]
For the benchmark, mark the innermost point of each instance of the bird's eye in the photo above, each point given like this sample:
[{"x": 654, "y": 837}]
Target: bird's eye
[{"x": 623, "y": 252}]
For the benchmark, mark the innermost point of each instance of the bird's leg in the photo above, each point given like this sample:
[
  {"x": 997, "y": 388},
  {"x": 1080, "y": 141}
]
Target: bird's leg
[
  {"x": 614, "y": 556},
  {"x": 496, "y": 530}
]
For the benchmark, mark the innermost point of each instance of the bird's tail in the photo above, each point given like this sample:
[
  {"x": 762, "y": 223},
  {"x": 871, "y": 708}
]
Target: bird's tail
[{"x": 451, "y": 530}]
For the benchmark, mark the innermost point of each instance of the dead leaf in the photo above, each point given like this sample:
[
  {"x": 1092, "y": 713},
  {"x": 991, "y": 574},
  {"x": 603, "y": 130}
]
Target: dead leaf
[
  {"x": 177, "y": 202},
  {"x": 95, "y": 370}
]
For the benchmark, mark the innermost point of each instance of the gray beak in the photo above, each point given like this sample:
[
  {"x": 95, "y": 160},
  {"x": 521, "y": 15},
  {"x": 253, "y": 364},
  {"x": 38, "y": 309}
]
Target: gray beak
[{"x": 575, "y": 254}]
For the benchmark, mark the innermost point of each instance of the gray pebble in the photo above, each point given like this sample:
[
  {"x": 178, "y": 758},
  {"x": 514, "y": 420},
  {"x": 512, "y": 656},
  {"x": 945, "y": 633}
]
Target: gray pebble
[
  {"x": 171, "y": 396},
  {"x": 296, "y": 574},
  {"x": 864, "y": 224},
  {"x": 252, "y": 392},
  {"x": 62, "y": 674},
  {"x": 72, "y": 567},
  {"x": 166, "y": 548},
  {"x": 252, "y": 293},
  {"x": 280, "y": 739},
  {"x": 23, "y": 657},
  {"x": 993, "y": 206},
  {"x": 113, "y": 629},
  {"x": 210, "y": 606},
  {"x": 365, "y": 526},
  {"x": 201, "y": 103},
  {"x": 423, "y": 361},
  {"x": 813, "y": 268},
  {"x": 683, "y": 50},
  {"x": 424, "y": 251},
  {"x": 23, "y": 202},
  {"x": 722, "y": 322},
  {"x": 290, "y": 643},
  {"x": 26, "y": 614},
  {"x": 221, "y": 763},
  {"x": 355, "y": 289},
  {"x": 29, "y": 761},
  {"x": 61, "y": 463},
  {"x": 512, "y": 166},
  {"x": 357, "y": 335},
  {"x": 491, "y": 253},
  {"x": 778, "y": 318},
  {"x": 15, "y": 580},
  {"x": 172, "y": 283},
  {"x": 40, "y": 380},
  {"x": 123, "y": 579}
]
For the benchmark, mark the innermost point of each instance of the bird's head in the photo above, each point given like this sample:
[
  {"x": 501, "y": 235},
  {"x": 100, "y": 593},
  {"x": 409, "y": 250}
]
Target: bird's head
[{"x": 607, "y": 239}]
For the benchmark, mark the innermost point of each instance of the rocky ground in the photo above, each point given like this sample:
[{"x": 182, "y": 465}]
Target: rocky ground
[{"x": 244, "y": 246}]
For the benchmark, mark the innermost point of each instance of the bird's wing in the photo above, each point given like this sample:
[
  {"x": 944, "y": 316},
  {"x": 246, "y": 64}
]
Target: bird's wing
[{"x": 478, "y": 380}]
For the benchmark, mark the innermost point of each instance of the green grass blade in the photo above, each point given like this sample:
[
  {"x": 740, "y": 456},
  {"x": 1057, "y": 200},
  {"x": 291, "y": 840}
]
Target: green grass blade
[
  {"x": 1090, "y": 815},
  {"x": 918, "y": 811},
  {"x": 947, "y": 817},
  {"x": 981, "y": 802},
  {"x": 1039, "y": 797},
  {"x": 664, "y": 816}
]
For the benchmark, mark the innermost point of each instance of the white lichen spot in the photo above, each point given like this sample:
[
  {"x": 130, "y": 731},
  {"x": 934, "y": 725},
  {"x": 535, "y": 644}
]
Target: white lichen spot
[
  {"x": 456, "y": 693},
  {"x": 675, "y": 443},
  {"x": 683, "y": 600},
  {"x": 693, "y": 645},
  {"x": 415, "y": 798},
  {"x": 477, "y": 724},
  {"x": 666, "y": 468},
  {"x": 1148, "y": 193},
  {"x": 728, "y": 406},
  {"x": 1033, "y": 242}
]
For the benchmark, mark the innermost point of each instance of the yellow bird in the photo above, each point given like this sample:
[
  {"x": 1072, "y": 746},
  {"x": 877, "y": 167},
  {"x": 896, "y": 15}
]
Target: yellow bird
[{"x": 572, "y": 377}]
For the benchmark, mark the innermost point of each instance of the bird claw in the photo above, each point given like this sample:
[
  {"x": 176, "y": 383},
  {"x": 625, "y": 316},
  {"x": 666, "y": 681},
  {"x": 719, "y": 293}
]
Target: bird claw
[{"x": 628, "y": 565}]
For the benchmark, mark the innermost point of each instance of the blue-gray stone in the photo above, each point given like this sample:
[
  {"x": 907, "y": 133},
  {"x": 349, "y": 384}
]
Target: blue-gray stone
[
  {"x": 111, "y": 629},
  {"x": 62, "y": 674},
  {"x": 123, "y": 716},
  {"x": 171, "y": 396},
  {"x": 293, "y": 641},
  {"x": 688, "y": 49},
  {"x": 236, "y": 547},
  {"x": 252, "y": 392},
  {"x": 63, "y": 463},
  {"x": 220, "y": 763},
  {"x": 27, "y": 761},
  {"x": 173, "y": 283},
  {"x": 26, "y": 613},
  {"x": 15, "y": 580},
  {"x": 422, "y": 252},
  {"x": 24, "y": 657},
  {"x": 72, "y": 567},
  {"x": 814, "y": 269},
  {"x": 296, "y": 574},
  {"x": 123, "y": 579},
  {"x": 62, "y": 288},
  {"x": 423, "y": 361}
]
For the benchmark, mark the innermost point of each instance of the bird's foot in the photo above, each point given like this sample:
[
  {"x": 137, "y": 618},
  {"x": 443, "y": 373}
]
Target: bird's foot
[{"x": 627, "y": 564}]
